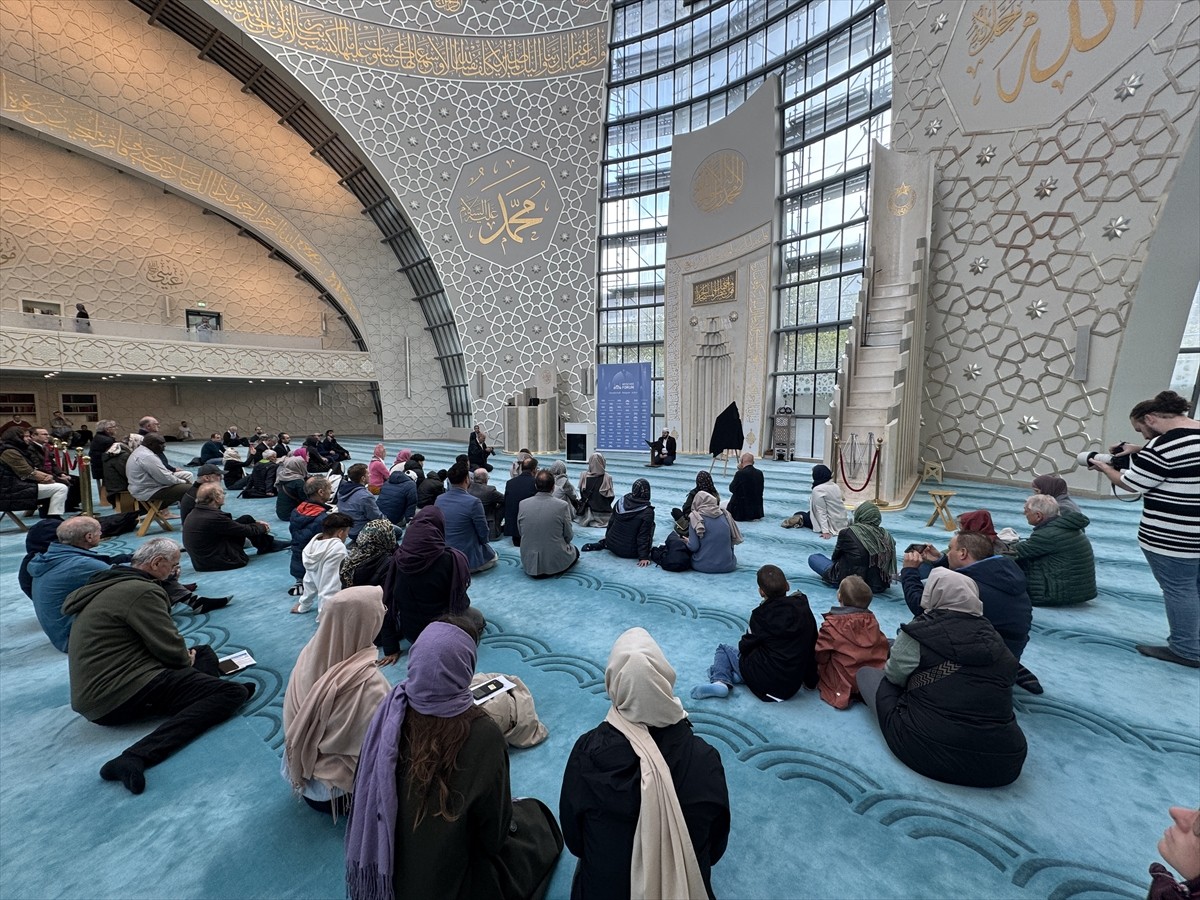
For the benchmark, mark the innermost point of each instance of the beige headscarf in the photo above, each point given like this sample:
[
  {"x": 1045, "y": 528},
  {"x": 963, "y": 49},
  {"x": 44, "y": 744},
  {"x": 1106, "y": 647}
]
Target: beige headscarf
[
  {"x": 334, "y": 691},
  {"x": 641, "y": 683},
  {"x": 596, "y": 466},
  {"x": 947, "y": 589},
  {"x": 706, "y": 506}
]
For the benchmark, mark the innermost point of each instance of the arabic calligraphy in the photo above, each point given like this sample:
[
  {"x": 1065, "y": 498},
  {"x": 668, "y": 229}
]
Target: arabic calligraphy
[
  {"x": 715, "y": 290},
  {"x": 718, "y": 180},
  {"x": 501, "y": 203},
  {"x": 375, "y": 46},
  {"x": 165, "y": 272},
  {"x": 1088, "y": 24},
  {"x": 8, "y": 248}
]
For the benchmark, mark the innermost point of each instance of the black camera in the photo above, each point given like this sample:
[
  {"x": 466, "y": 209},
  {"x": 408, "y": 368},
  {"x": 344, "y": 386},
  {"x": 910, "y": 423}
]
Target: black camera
[{"x": 1118, "y": 462}]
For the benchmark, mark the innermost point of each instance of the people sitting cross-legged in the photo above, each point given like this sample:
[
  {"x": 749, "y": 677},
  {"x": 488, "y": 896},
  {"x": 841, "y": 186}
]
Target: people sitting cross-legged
[
  {"x": 944, "y": 698},
  {"x": 332, "y": 695},
  {"x": 262, "y": 477},
  {"x": 492, "y": 500},
  {"x": 563, "y": 489},
  {"x": 149, "y": 478},
  {"x": 432, "y": 813},
  {"x": 864, "y": 549},
  {"x": 355, "y": 500},
  {"x": 682, "y": 516},
  {"x": 466, "y": 526},
  {"x": 397, "y": 498},
  {"x": 1057, "y": 559},
  {"x": 333, "y": 451},
  {"x": 1001, "y": 585},
  {"x": 849, "y": 640},
  {"x": 517, "y": 489},
  {"x": 545, "y": 525},
  {"x": 306, "y": 523},
  {"x": 206, "y": 474},
  {"x": 644, "y": 803},
  {"x": 595, "y": 494},
  {"x": 22, "y": 485},
  {"x": 712, "y": 535},
  {"x": 425, "y": 580},
  {"x": 377, "y": 469},
  {"x": 775, "y": 657},
  {"x": 290, "y": 478},
  {"x": 368, "y": 559},
  {"x": 430, "y": 487},
  {"x": 826, "y": 513},
  {"x": 129, "y": 661},
  {"x": 1056, "y": 487},
  {"x": 323, "y": 557},
  {"x": 630, "y": 532},
  {"x": 746, "y": 491},
  {"x": 215, "y": 540},
  {"x": 212, "y": 449}
]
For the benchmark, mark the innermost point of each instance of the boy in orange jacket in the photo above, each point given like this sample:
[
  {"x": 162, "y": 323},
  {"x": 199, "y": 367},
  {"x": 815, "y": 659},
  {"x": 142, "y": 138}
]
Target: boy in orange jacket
[{"x": 849, "y": 640}]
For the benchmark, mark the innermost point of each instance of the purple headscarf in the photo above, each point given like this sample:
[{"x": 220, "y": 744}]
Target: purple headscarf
[
  {"x": 301, "y": 452},
  {"x": 440, "y": 666},
  {"x": 423, "y": 545}
]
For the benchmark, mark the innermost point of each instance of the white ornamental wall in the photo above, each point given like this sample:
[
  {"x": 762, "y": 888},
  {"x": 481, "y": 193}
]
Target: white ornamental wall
[
  {"x": 1057, "y": 141},
  {"x": 97, "y": 77},
  {"x": 78, "y": 231},
  {"x": 446, "y": 97}
]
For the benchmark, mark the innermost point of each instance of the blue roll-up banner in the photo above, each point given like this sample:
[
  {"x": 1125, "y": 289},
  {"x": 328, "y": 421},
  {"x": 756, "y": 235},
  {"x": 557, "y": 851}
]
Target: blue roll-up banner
[{"x": 623, "y": 405}]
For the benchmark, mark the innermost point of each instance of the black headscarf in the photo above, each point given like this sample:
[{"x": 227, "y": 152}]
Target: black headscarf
[
  {"x": 821, "y": 474},
  {"x": 638, "y": 497}
]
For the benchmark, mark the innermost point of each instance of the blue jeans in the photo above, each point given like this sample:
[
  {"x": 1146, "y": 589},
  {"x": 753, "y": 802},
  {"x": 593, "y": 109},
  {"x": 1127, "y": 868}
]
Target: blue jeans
[
  {"x": 820, "y": 563},
  {"x": 1180, "y": 582},
  {"x": 726, "y": 666}
]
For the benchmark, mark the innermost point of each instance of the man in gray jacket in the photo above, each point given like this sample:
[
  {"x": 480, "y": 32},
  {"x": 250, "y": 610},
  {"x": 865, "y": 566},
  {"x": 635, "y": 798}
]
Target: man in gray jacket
[{"x": 544, "y": 525}]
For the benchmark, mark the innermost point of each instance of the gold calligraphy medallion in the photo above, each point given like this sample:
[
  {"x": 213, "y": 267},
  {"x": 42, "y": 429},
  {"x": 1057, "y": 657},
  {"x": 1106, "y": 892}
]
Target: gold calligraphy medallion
[
  {"x": 719, "y": 180},
  {"x": 902, "y": 200}
]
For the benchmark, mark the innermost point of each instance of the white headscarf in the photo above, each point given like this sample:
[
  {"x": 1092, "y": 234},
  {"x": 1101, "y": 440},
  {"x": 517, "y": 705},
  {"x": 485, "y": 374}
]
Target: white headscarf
[
  {"x": 947, "y": 589},
  {"x": 641, "y": 683}
]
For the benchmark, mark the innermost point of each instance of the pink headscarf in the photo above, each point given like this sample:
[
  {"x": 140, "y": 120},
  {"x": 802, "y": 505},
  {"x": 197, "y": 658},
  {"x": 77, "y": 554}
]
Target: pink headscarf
[
  {"x": 402, "y": 457},
  {"x": 301, "y": 452},
  {"x": 380, "y": 451}
]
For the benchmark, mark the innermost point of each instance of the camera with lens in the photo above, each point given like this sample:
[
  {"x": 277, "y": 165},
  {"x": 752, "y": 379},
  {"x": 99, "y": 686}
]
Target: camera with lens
[{"x": 1115, "y": 457}]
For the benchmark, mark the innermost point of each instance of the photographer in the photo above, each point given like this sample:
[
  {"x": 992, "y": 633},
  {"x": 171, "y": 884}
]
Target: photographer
[{"x": 1166, "y": 472}]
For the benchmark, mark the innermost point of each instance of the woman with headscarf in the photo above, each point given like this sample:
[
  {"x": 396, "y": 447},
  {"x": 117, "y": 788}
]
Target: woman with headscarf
[
  {"x": 402, "y": 457},
  {"x": 290, "y": 476},
  {"x": 369, "y": 554},
  {"x": 428, "y": 580},
  {"x": 332, "y": 695},
  {"x": 563, "y": 489},
  {"x": 980, "y": 521},
  {"x": 235, "y": 469},
  {"x": 630, "y": 532},
  {"x": 595, "y": 494},
  {"x": 826, "y": 506},
  {"x": 712, "y": 535},
  {"x": 433, "y": 815},
  {"x": 944, "y": 698},
  {"x": 864, "y": 549},
  {"x": 644, "y": 803},
  {"x": 1054, "y": 486},
  {"x": 682, "y": 517},
  {"x": 377, "y": 469}
]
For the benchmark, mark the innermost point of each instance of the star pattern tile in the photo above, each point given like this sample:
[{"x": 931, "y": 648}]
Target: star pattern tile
[
  {"x": 933, "y": 128},
  {"x": 979, "y": 265},
  {"x": 1045, "y": 188},
  {"x": 1116, "y": 227},
  {"x": 1128, "y": 87}
]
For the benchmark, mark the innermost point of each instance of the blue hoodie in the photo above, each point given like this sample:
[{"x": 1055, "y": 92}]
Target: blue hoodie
[
  {"x": 57, "y": 572},
  {"x": 358, "y": 503},
  {"x": 398, "y": 498}
]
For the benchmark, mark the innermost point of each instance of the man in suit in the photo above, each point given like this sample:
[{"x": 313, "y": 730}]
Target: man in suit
[
  {"x": 544, "y": 522},
  {"x": 492, "y": 500},
  {"x": 746, "y": 491},
  {"x": 466, "y": 525},
  {"x": 518, "y": 489}
]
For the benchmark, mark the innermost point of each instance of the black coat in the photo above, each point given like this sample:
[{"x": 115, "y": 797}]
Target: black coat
[
  {"x": 262, "y": 481},
  {"x": 17, "y": 493},
  {"x": 630, "y": 535},
  {"x": 746, "y": 495},
  {"x": 96, "y": 450},
  {"x": 778, "y": 653},
  {"x": 601, "y": 798},
  {"x": 415, "y": 601},
  {"x": 850, "y": 557},
  {"x": 214, "y": 539},
  {"x": 398, "y": 498},
  {"x": 1002, "y": 590},
  {"x": 959, "y": 728},
  {"x": 516, "y": 490},
  {"x": 477, "y": 453},
  {"x": 428, "y": 490}
]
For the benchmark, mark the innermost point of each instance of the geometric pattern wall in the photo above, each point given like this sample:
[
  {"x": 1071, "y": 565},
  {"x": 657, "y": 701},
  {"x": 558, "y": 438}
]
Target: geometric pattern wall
[
  {"x": 1053, "y": 165},
  {"x": 432, "y": 92}
]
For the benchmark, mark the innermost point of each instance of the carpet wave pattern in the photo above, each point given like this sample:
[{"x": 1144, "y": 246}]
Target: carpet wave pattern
[{"x": 820, "y": 807}]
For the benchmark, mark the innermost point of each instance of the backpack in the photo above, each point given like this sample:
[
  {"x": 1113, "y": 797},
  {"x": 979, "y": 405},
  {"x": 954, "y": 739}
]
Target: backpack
[{"x": 673, "y": 556}]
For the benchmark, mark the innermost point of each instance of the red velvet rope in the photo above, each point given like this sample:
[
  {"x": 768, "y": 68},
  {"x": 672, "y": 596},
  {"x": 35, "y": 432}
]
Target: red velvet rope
[
  {"x": 65, "y": 461},
  {"x": 870, "y": 472}
]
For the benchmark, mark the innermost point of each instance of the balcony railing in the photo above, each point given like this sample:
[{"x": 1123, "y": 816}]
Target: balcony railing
[{"x": 118, "y": 329}]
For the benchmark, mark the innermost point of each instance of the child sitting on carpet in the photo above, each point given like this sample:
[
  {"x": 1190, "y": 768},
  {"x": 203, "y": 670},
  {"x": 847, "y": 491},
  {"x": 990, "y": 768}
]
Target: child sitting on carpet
[
  {"x": 849, "y": 640},
  {"x": 776, "y": 655},
  {"x": 322, "y": 558}
]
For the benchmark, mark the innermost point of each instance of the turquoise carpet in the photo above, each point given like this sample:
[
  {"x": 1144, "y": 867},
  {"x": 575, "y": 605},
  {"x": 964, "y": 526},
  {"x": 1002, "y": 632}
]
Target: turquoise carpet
[{"x": 820, "y": 807}]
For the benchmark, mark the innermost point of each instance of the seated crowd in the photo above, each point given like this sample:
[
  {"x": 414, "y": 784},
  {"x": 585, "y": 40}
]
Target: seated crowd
[{"x": 385, "y": 553}]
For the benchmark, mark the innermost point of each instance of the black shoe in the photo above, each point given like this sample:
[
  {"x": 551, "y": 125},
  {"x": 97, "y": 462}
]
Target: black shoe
[
  {"x": 250, "y": 687},
  {"x": 1166, "y": 654},
  {"x": 274, "y": 548},
  {"x": 1029, "y": 681},
  {"x": 208, "y": 604},
  {"x": 296, "y": 589},
  {"x": 189, "y": 587}
]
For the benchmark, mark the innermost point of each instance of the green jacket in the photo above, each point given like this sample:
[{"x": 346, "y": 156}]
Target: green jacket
[
  {"x": 1057, "y": 561},
  {"x": 123, "y": 636}
]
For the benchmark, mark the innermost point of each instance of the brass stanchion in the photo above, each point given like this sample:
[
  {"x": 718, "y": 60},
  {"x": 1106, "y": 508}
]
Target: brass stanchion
[
  {"x": 881, "y": 504},
  {"x": 837, "y": 455},
  {"x": 85, "y": 482}
]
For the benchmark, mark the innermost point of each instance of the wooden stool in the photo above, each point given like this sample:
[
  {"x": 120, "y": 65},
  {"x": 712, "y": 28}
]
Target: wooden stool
[
  {"x": 154, "y": 513},
  {"x": 16, "y": 518},
  {"x": 932, "y": 469},
  {"x": 941, "y": 507}
]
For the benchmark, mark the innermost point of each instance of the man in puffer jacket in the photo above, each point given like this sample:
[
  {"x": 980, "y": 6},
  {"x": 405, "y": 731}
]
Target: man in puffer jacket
[
  {"x": 306, "y": 522},
  {"x": 398, "y": 497},
  {"x": 356, "y": 501},
  {"x": 1057, "y": 558}
]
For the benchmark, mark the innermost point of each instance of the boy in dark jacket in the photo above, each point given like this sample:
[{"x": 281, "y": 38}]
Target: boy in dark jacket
[{"x": 777, "y": 654}]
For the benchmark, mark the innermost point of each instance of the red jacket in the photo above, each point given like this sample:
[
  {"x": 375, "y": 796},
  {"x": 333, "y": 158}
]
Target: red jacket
[{"x": 846, "y": 643}]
